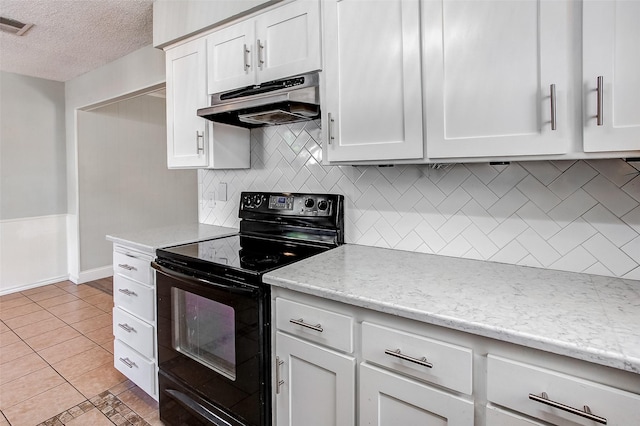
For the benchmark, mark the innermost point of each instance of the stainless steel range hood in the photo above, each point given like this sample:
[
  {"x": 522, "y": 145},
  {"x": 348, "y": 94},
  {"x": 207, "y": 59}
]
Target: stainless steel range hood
[{"x": 276, "y": 102}]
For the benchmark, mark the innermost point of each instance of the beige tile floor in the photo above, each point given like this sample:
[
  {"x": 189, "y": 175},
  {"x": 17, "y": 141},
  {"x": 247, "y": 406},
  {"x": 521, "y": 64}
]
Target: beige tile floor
[{"x": 56, "y": 360}]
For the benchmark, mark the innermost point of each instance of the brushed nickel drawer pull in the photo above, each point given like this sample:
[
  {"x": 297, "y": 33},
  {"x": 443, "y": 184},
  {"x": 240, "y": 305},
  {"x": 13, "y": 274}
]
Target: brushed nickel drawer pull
[
  {"x": 420, "y": 361},
  {"x": 128, "y": 362},
  {"x": 279, "y": 381},
  {"x": 127, "y": 267},
  {"x": 586, "y": 413},
  {"x": 126, "y": 327},
  {"x": 127, "y": 292},
  {"x": 317, "y": 327}
]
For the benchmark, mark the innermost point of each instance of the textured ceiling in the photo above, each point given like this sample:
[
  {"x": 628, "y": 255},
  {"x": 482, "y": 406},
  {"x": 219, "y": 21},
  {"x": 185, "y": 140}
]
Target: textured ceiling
[{"x": 72, "y": 37}]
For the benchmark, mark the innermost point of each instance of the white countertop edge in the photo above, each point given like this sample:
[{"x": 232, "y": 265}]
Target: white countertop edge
[{"x": 610, "y": 359}]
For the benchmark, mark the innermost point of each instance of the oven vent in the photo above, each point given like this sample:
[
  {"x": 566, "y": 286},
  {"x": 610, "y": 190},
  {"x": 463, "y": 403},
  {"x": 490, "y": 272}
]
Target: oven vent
[{"x": 14, "y": 27}]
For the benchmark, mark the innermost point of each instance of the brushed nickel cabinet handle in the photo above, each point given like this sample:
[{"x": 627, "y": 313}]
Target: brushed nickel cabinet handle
[
  {"x": 552, "y": 90},
  {"x": 398, "y": 354},
  {"x": 279, "y": 381},
  {"x": 200, "y": 138},
  {"x": 126, "y": 327},
  {"x": 586, "y": 412},
  {"x": 331, "y": 138},
  {"x": 246, "y": 58},
  {"x": 599, "y": 89},
  {"x": 317, "y": 327},
  {"x": 127, "y": 292},
  {"x": 260, "y": 54},
  {"x": 127, "y": 267},
  {"x": 128, "y": 362}
]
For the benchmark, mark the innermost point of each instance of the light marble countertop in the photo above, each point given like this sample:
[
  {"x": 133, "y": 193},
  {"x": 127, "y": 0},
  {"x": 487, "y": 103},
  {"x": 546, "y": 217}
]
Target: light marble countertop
[
  {"x": 148, "y": 240},
  {"x": 587, "y": 317}
]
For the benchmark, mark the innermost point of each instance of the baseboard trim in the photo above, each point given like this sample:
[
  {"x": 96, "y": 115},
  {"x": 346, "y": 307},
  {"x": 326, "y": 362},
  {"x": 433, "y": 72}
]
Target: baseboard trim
[
  {"x": 41, "y": 283},
  {"x": 93, "y": 274}
]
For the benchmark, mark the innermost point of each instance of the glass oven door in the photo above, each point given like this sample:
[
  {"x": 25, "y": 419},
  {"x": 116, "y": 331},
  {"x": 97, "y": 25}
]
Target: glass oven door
[{"x": 212, "y": 349}]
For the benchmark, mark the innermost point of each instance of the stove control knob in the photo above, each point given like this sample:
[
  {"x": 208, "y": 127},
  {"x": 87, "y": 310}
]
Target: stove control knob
[
  {"x": 322, "y": 205},
  {"x": 246, "y": 200},
  {"x": 308, "y": 203},
  {"x": 257, "y": 200}
]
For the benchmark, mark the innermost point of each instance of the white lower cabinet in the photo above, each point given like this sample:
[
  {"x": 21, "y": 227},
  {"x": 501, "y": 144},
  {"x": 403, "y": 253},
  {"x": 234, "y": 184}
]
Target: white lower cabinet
[
  {"x": 388, "y": 399},
  {"x": 316, "y": 385},
  {"x": 498, "y": 417},
  {"x": 404, "y": 377},
  {"x": 134, "y": 318},
  {"x": 558, "y": 398},
  {"x": 340, "y": 364}
]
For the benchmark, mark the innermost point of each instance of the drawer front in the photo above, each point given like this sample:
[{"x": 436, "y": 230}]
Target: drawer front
[
  {"x": 137, "y": 368},
  {"x": 132, "y": 265},
  {"x": 510, "y": 383},
  {"x": 134, "y": 332},
  {"x": 316, "y": 324},
  {"x": 134, "y": 297},
  {"x": 437, "y": 362}
]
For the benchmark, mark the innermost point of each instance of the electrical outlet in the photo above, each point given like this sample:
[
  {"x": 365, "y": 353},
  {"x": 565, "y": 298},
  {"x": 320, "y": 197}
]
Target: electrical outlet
[{"x": 222, "y": 191}]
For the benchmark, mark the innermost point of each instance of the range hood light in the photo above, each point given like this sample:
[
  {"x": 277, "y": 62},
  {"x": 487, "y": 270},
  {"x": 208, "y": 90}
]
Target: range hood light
[{"x": 14, "y": 27}]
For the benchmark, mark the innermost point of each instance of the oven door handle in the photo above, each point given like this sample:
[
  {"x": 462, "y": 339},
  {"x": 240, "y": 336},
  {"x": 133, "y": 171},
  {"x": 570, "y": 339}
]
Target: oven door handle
[{"x": 194, "y": 280}]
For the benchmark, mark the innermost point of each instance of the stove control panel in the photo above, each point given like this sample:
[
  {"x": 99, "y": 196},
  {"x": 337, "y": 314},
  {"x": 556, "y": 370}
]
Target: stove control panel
[{"x": 288, "y": 204}]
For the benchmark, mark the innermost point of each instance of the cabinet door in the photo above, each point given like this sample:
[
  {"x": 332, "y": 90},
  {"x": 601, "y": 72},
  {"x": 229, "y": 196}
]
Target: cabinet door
[
  {"x": 231, "y": 57},
  {"x": 498, "y": 417},
  {"x": 489, "y": 69},
  {"x": 288, "y": 41},
  {"x": 372, "y": 95},
  {"x": 611, "y": 54},
  {"x": 186, "y": 92},
  {"x": 387, "y": 399},
  {"x": 318, "y": 384}
]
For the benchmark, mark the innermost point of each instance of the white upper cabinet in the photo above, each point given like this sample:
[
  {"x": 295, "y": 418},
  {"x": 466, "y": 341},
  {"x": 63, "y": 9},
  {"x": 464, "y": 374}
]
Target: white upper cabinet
[
  {"x": 611, "y": 75},
  {"x": 372, "y": 105},
  {"x": 186, "y": 92},
  {"x": 280, "y": 43},
  {"x": 230, "y": 57},
  {"x": 192, "y": 141},
  {"x": 496, "y": 78},
  {"x": 288, "y": 40}
]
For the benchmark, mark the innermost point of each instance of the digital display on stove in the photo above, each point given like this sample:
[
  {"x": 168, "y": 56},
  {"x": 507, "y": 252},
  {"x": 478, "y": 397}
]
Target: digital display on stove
[{"x": 280, "y": 203}]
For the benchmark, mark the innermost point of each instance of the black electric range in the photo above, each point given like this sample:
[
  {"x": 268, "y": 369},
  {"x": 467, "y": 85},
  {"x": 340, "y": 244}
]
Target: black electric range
[{"x": 214, "y": 310}]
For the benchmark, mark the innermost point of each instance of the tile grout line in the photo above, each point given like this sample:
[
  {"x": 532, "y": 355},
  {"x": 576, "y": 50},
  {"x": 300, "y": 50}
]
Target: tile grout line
[{"x": 115, "y": 406}]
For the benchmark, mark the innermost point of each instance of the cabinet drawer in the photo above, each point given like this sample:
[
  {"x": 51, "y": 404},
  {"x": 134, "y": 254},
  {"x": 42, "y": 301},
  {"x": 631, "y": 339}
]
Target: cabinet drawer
[
  {"x": 320, "y": 325},
  {"x": 140, "y": 370},
  {"x": 132, "y": 265},
  {"x": 134, "y": 297},
  {"x": 134, "y": 332},
  {"x": 510, "y": 384},
  {"x": 411, "y": 354}
]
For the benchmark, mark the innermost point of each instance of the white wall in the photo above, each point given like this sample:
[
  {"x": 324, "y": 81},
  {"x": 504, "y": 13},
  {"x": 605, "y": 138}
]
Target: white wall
[
  {"x": 580, "y": 216},
  {"x": 124, "y": 182},
  {"x": 32, "y": 183},
  {"x": 132, "y": 74}
]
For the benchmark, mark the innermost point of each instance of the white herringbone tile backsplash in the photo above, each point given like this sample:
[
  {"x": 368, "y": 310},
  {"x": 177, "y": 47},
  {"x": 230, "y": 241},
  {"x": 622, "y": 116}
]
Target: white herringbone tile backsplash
[{"x": 580, "y": 216}]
